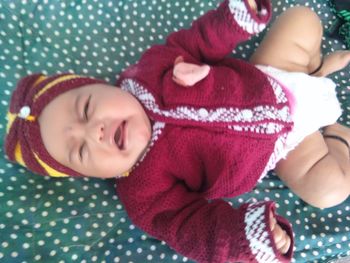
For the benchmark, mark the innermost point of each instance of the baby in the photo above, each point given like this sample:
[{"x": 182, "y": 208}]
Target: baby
[{"x": 188, "y": 126}]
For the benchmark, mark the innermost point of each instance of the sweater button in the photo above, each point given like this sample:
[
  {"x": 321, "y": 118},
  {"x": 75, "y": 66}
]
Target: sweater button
[
  {"x": 203, "y": 113},
  {"x": 247, "y": 114},
  {"x": 24, "y": 112}
]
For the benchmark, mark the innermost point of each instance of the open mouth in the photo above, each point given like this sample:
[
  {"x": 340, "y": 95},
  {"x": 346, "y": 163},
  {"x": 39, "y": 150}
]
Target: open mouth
[{"x": 119, "y": 136}]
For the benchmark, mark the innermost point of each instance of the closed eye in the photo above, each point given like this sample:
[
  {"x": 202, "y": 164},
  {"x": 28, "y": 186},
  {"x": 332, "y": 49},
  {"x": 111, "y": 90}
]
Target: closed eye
[
  {"x": 81, "y": 151},
  {"x": 86, "y": 108}
]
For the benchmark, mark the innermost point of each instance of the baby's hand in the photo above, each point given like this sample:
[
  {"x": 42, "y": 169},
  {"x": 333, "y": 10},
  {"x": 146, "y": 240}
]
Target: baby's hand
[
  {"x": 187, "y": 74},
  {"x": 253, "y": 5},
  {"x": 281, "y": 238}
]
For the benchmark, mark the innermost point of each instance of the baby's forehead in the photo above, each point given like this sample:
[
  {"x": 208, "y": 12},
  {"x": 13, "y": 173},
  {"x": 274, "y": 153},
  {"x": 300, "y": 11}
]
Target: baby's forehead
[
  {"x": 95, "y": 88},
  {"x": 72, "y": 100},
  {"x": 98, "y": 87},
  {"x": 33, "y": 94}
]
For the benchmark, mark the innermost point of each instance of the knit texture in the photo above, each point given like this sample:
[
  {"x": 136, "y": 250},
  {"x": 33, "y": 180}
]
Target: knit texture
[
  {"x": 214, "y": 139},
  {"x": 23, "y": 142}
]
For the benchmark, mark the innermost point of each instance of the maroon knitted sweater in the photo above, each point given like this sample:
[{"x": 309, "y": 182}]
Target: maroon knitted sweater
[{"x": 210, "y": 141}]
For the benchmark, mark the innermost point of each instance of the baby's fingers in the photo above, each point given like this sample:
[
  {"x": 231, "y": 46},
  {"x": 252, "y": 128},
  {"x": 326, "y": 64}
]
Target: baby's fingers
[
  {"x": 285, "y": 248},
  {"x": 273, "y": 221},
  {"x": 282, "y": 240},
  {"x": 253, "y": 5}
]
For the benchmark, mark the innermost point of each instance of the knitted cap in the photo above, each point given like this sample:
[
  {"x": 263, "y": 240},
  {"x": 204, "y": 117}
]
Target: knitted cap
[{"x": 23, "y": 142}]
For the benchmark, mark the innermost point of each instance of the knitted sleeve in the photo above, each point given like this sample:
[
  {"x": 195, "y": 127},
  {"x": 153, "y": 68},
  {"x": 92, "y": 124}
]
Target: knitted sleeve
[
  {"x": 202, "y": 230},
  {"x": 216, "y": 34}
]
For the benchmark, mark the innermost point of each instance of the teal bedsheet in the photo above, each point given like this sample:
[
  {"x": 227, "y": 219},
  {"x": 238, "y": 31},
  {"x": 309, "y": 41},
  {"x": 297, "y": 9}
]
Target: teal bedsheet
[{"x": 82, "y": 220}]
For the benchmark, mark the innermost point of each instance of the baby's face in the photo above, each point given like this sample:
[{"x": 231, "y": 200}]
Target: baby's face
[{"x": 97, "y": 130}]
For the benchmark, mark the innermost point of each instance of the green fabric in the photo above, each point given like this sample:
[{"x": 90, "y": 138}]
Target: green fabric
[
  {"x": 344, "y": 31},
  {"x": 82, "y": 220},
  {"x": 341, "y": 25}
]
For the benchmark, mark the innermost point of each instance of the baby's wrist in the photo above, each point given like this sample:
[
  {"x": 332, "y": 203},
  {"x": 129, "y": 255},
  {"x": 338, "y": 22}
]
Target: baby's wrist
[
  {"x": 252, "y": 4},
  {"x": 259, "y": 10}
]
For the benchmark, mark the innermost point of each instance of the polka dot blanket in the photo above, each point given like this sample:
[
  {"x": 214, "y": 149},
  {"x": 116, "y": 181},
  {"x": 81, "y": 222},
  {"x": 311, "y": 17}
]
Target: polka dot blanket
[{"x": 82, "y": 220}]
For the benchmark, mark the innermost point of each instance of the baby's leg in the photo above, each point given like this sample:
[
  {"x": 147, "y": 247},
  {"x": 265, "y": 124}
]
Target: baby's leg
[
  {"x": 318, "y": 169},
  {"x": 294, "y": 44}
]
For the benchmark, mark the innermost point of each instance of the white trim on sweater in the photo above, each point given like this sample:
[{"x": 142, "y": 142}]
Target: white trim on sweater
[
  {"x": 243, "y": 18},
  {"x": 278, "y": 154},
  {"x": 246, "y": 118},
  {"x": 277, "y": 89},
  {"x": 157, "y": 130},
  {"x": 257, "y": 233}
]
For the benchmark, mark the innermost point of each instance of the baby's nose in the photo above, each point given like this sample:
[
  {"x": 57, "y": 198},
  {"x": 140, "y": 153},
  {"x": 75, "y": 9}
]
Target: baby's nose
[
  {"x": 94, "y": 131},
  {"x": 97, "y": 131}
]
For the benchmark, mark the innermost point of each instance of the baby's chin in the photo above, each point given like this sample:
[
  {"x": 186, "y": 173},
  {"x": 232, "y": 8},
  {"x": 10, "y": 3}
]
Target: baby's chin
[
  {"x": 124, "y": 172},
  {"x": 135, "y": 150},
  {"x": 143, "y": 152},
  {"x": 142, "y": 143}
]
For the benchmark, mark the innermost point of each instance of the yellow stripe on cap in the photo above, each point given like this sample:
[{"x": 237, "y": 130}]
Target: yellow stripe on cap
[
  {"x": 18, "y": 155},
  {"x": 50, "y": 171},
  {"x": 10, "y": 119},
  {"x": 39, "y": 80},
  {"x": 55, "y": 82},
  {"x": 12, "y": 116}
]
